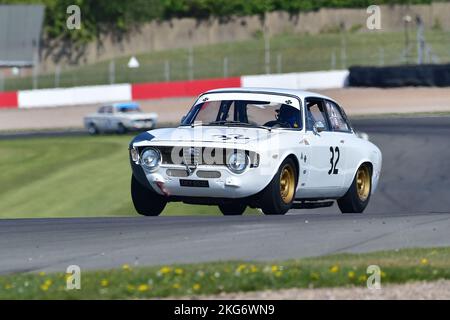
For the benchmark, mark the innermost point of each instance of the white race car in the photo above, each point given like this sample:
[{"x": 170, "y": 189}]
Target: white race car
[
  {"x": 264, "y": 148},
  {"x": 120, "y": 118}
]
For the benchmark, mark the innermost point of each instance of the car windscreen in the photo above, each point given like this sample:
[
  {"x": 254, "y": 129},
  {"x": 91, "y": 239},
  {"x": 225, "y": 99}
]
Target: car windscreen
[
  {"x": 128, "y": 109},
  {"x": 244, "y": 112}
]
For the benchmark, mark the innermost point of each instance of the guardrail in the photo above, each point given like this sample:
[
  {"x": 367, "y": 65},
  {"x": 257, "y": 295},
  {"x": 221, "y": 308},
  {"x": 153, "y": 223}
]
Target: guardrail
[{"x": 159, "y": 90}]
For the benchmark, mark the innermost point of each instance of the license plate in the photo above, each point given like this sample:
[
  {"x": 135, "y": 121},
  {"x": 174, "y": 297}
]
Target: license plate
[{"x": 194, "y": 183}]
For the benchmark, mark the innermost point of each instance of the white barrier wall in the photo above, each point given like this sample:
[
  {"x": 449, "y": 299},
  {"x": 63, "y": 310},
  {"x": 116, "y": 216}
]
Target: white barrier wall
[
  {"x": 302, "y": 80},
  {"x": 124, "y": 92},
  {"x": 74, "y": 96}
]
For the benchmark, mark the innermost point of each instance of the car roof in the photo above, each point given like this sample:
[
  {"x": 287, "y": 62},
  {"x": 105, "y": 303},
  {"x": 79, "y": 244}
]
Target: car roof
[
  {"x": 301, "y": 94},
  {"x": 131, "y": 105}
]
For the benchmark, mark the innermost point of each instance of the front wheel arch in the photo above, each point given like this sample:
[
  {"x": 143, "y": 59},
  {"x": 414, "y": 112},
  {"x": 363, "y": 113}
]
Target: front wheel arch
[{"x": 352, "y": 201}]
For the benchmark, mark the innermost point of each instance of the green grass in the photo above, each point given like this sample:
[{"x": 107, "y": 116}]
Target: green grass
[
  {"x": 213, "y": 278},
  {"x": 71, "y": 177},
  {"x": 299, "y": 52}
]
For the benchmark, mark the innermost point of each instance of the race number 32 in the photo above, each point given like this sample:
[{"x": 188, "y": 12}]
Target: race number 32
[{"x": 335, "y": 155}]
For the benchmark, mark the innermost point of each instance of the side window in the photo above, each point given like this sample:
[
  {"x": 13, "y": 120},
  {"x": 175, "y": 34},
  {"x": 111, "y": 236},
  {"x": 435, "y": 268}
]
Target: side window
[
  {"x": 336, "y": 118},
  {"x": 315, "y": 111},
  {"x": 108, "y": 109},
  {"x": 101, "y": 110}
]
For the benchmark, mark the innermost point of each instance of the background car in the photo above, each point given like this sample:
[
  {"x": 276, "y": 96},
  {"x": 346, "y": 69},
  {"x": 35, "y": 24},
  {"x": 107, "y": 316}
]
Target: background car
[{"x": 120, "y": 118}]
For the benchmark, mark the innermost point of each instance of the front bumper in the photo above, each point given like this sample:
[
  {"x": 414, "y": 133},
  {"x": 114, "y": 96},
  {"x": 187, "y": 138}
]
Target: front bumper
[
  {"x": 141, "y": 125},
  {"x": 227, "y": 185}
]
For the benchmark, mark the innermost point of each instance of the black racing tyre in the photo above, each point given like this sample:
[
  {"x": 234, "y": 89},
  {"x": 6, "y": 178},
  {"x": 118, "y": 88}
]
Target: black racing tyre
[
  {"x": 121, "y": 129},
  {"x": 92, "y": 129},
  {"x": 358, "y": 195},
  {"x": 232, "y": 208},
  {"x": 146, "y": 202},
  {"x": 278, "y": 196}
]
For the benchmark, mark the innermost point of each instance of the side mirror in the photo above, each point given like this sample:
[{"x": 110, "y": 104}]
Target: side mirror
[{"x": 319, "y": 126}]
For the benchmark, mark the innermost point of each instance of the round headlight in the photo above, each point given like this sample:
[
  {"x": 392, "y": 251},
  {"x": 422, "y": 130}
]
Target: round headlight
[
  {"x": 150, "y": 158},
  {"x": 237, "y": 162}
]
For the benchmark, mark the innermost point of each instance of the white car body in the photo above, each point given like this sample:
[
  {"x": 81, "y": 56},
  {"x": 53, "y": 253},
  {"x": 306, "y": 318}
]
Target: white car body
[
  {"x": 321, "y": 175},
  {"x": 111, "y": 118}
]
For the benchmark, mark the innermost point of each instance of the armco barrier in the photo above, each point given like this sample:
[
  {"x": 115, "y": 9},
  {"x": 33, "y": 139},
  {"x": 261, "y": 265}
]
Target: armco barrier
[
  {"x": 400, "y": 76},
  {"x": 74, "y": 96},
  {"x": 301, "y": 80},
  {"x": 8, "y": 100},
  {"x": 146, "y": 91}
]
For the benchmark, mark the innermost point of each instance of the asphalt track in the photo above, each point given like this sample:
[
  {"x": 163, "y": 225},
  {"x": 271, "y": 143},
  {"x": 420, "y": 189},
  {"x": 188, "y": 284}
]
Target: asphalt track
[{"x": 410, "y": 209}]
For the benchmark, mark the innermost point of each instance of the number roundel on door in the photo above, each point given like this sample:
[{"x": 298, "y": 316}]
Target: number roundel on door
[{"x": 335, "y": 153}]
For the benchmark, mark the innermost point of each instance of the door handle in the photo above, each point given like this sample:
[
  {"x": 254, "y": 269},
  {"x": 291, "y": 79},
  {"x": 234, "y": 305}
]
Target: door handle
[{"x": 342, "y": 141}]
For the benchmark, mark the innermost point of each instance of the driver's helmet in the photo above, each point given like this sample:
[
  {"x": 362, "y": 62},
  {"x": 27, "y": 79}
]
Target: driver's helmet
[{"x": 289, "y": 115}]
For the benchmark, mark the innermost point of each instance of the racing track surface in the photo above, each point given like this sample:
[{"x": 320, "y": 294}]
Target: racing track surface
[{"x": 411, "y": 208}]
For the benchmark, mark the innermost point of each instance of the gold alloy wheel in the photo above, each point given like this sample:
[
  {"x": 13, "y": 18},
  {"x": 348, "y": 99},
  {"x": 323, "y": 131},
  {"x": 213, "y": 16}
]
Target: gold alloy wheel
[
  {"x": 287, "y": 184},
  {"x": 363, "y": 183}
]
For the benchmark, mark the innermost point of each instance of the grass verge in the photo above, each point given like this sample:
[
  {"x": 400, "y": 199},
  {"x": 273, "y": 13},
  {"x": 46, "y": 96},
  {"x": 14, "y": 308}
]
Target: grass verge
[
  {"x": 74, "y": 176},
  {"x": 180, "y": 280}
]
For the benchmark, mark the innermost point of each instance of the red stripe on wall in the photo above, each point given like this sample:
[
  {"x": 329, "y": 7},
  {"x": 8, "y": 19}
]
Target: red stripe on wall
[
  {"x": 8, "y": 100},
  {"x": 158, "y": 90}
]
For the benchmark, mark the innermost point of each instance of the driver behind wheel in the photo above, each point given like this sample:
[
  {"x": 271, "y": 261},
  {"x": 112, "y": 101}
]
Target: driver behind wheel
[{"x": 289, "y": 116}]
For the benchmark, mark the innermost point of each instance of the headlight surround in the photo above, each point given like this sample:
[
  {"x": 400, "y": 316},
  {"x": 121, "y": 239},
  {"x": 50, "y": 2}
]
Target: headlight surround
[
  {"x": 237, "y": 162},
  {"x": 150, "y": 158}
]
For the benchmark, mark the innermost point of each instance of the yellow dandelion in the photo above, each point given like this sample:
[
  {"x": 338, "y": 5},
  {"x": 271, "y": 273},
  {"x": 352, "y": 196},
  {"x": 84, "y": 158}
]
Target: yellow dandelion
[
  {"x": 274, "y": 268},
  {"x": 362, "y": 278},
  {"x": 241, "y": 268},
  {"x": 42, "y": 274},
  {"x": 196, "y": 287},
  {"x": 126, "y": 267},
  {"x": 334, "y": 269},
  {"x": 278, "y": 274},
  {"x": 143, "y": 287},
  {"x": 176, "y": 286},
  {"x": 179, "y": 271},
  {"x": 104, "y": 283},
  {"x": 424, "y": 261},
  {"x": 8, "y": 286},
  {"x": 383, "y": 274},
  {"x": 351, "y": 275},
  {"x": 253, "y": 269},
  {"x": 165, "y": 270}
]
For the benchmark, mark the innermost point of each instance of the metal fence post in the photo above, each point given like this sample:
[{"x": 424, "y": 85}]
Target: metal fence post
[
  {"x": 343, "y": 51},
  {"x": 333, "y": 60},
  {"x": 381, "y": 54},
  {"x": 279, "y": 62},
  {"x": 57, "y": 75},
  {"x": 225, "y": 67},
  {"x": 35, "y": 70},
  {"x": 191, "y": 64},
  {"x": 2, "y": 81},
  {"x": 112, "y": 72},
  {"x": 167, "y": 70},
  {"x": 267, "y": 52}
]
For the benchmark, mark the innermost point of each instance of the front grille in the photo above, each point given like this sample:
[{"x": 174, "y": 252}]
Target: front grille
[
  {"x": 200, "y": 156},
  {"x": 191, "y": 155}
]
